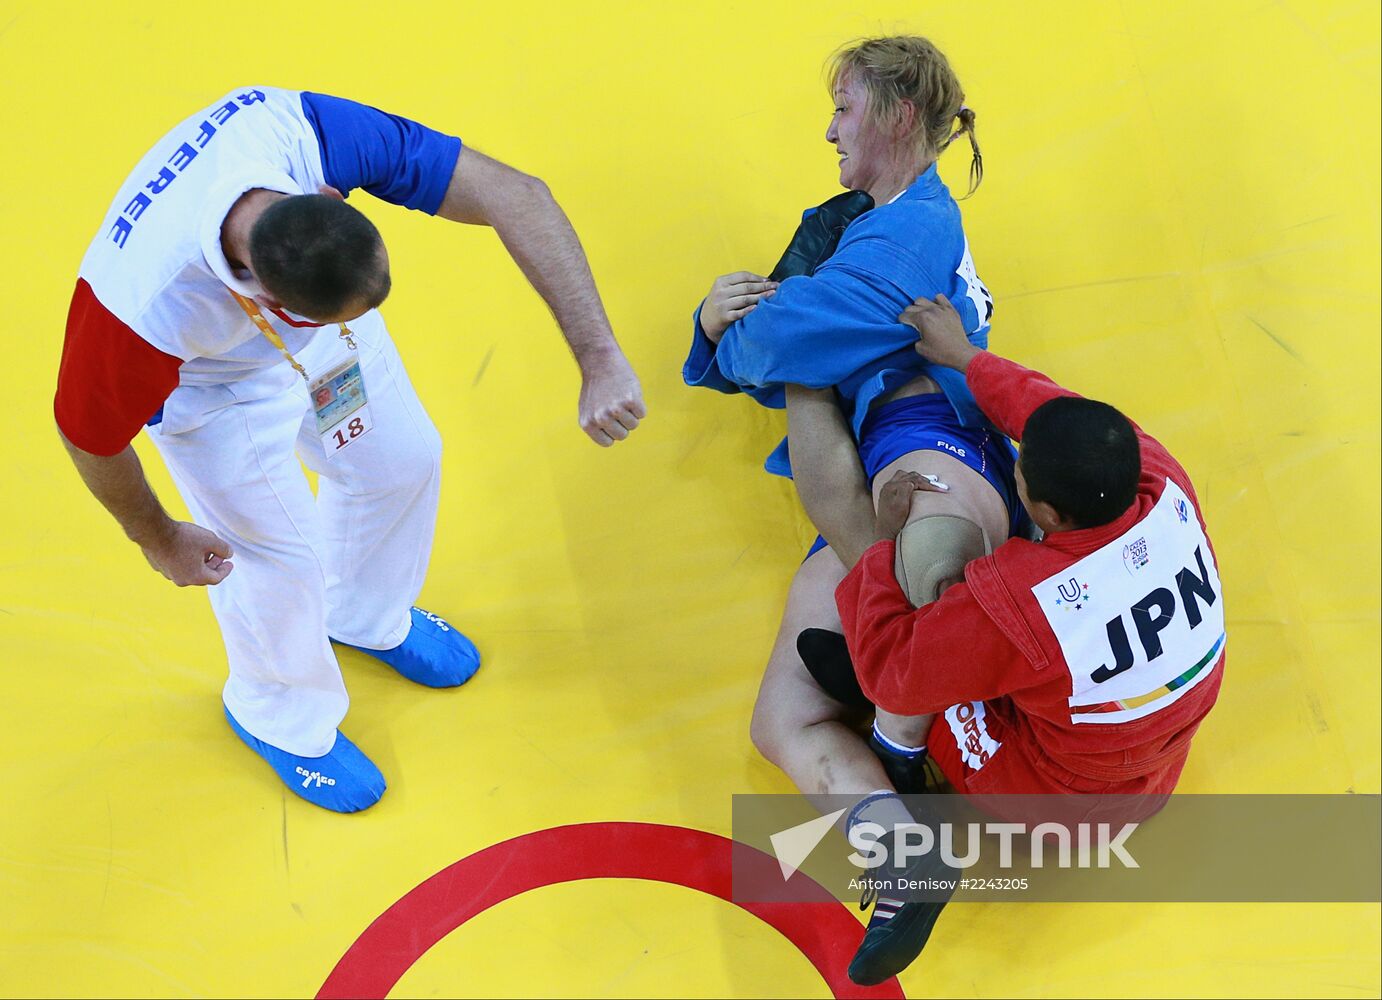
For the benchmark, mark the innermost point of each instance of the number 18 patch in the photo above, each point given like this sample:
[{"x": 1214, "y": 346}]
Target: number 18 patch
[{"x": 341, "y": 405}]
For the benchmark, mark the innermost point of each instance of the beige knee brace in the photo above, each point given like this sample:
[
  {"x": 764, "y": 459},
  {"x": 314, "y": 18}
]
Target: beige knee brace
[{"x": 932, "y": 551}]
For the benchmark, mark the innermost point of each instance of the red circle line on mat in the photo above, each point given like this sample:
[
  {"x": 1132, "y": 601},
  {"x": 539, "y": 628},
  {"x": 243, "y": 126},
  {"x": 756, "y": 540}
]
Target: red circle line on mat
[{"x": 823, "y": 929}]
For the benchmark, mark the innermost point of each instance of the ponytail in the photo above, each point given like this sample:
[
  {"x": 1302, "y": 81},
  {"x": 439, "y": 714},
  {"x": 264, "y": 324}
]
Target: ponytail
[{"x": 976, "y": 163}]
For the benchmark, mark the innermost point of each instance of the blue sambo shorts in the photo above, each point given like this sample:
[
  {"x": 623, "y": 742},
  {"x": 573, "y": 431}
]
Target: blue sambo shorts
[{"x": 929, "y": 423}]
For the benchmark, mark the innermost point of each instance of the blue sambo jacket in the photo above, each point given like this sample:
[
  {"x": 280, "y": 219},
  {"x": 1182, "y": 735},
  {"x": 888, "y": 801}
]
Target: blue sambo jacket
[{"x": 839, "y": 326}]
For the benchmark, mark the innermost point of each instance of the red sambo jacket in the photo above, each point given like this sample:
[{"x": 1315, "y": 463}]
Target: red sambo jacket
[{"x": 1081, "y": 663}]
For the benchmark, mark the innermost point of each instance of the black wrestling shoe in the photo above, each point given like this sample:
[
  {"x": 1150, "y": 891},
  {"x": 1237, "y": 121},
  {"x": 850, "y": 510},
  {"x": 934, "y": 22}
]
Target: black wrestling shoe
[
  {"x": 827, "y": 661},
  {"x": 903, "y": 918},
  {"x": 819, "y": 233},
  {"x": 910, "y": 775}
]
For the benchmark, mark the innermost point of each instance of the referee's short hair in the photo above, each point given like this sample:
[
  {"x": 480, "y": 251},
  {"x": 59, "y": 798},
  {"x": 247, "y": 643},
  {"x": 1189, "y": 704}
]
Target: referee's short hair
[
  {"x": 1081, "y": 457},
  {"x": 319, "y": 257}
]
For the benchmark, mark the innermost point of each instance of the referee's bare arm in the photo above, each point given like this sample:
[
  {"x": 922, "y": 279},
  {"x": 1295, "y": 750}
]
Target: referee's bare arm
[
  {"x": 539, "y": 237},
  {"x": 185, "y": 553}
]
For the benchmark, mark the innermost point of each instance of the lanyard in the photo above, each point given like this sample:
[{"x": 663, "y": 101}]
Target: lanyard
[{"x": 271, "y": 335}]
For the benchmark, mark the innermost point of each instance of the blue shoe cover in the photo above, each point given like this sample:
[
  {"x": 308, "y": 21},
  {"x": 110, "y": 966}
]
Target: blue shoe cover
[
  {"x": 434, "y": 654},
  {"x": 343, "y": 780}
]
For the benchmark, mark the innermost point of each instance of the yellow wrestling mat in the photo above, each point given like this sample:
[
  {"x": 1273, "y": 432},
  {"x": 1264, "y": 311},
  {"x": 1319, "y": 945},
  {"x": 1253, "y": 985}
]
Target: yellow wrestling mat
[{"x": 1180, "y": 216}]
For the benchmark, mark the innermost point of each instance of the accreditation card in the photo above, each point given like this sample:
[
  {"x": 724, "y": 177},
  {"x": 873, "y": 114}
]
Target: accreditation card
[{"x": 341, "y": 405}]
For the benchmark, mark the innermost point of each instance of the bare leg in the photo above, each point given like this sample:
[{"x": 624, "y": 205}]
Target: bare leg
[
  {"x": 798, "y": 726},
  {"x": 827, "y": 473},
  {"x": 908, "y": 730}
]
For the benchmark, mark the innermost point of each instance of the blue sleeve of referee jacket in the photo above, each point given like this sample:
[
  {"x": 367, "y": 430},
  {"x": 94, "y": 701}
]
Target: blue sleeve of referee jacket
[{"x": 393, "y": 158}]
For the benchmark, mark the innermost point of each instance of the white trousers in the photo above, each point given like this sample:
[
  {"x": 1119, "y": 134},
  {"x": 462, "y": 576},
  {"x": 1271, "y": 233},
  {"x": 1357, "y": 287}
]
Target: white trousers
[{"x": 348, "y": 563}]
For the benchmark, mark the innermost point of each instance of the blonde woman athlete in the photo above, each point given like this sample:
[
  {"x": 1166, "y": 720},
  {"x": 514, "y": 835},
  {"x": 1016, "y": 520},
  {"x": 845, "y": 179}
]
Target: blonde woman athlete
[{"x": 898, "y": 105}]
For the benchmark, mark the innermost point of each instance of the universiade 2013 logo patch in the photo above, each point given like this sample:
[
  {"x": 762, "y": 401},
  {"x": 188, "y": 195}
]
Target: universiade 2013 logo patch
[{"x": 1135, "y": 555}]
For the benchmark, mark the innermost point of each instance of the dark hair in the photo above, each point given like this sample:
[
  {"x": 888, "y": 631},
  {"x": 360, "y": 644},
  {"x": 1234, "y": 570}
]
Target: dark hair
[
  {"x": 318, "y": 256},
  {"x": 1081, "y": 457}
]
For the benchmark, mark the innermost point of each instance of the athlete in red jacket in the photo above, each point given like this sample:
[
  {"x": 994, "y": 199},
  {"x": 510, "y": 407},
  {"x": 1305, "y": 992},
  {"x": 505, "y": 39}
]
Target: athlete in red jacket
[{"x": 1082, "y": 663}]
